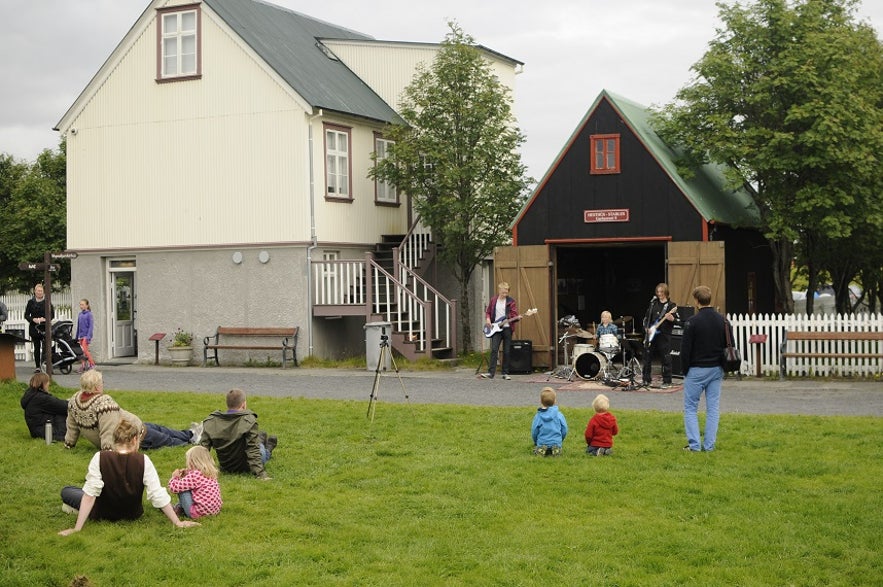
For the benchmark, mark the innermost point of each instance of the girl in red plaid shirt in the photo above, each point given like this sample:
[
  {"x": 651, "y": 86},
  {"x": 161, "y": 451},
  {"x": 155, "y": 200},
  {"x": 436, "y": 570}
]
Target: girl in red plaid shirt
[{"x": 199, "y": 493}]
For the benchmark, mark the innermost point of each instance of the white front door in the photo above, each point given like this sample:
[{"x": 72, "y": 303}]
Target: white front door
[{"x": 123, "y": 310}]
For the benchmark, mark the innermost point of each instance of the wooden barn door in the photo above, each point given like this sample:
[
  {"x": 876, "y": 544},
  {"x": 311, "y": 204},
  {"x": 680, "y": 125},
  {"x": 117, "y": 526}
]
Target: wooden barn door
[
  {"x": 697, "y": 263},
  {"x": 528, "y": 271}
]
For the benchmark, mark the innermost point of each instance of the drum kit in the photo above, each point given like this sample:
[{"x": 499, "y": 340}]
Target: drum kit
[{"x": 593, "y": 364}]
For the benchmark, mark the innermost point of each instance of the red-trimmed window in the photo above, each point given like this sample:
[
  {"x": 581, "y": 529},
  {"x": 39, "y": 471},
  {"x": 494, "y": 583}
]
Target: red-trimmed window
[
  {"x": 605, "y": 154},
  {"x": 178, "y": 55},
  {"x": 337, "y": 162}
]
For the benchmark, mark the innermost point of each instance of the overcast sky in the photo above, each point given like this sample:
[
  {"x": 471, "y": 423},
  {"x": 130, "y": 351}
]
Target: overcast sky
[{"x": 571, "y": 50}]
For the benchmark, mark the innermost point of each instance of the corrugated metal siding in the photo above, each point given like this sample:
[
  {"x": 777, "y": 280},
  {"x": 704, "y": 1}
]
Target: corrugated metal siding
[
  {"x": 386, "y": 68},
  {"x": 218, "y": 160},
  {"x": 389, "y": 67},
  {"x": 359, "y": 221}
]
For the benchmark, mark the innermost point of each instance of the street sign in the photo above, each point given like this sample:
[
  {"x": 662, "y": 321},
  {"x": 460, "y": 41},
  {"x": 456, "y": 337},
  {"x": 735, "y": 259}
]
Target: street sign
[
  {"x": 37, "y": 266},
  {"x": 64, "y": 255}
]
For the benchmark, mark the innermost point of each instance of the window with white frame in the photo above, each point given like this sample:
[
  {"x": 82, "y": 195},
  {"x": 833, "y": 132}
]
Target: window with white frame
[
  {"x": 178, "y": 53},
  {"x": 337, "y": 162},
  {"x": 385, "y": 193}
]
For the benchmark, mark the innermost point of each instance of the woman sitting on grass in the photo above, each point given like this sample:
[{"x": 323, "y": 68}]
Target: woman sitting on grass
[
  {"x": 40, "y": 407},
  {"x": 93, "y": 414},
  {"x": 115, "y": 484}
]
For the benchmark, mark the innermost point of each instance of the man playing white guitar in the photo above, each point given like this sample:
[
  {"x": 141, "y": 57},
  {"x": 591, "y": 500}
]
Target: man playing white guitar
[
  {"x": 500, "y": 306},
  {"x": 658, "y": 322}
]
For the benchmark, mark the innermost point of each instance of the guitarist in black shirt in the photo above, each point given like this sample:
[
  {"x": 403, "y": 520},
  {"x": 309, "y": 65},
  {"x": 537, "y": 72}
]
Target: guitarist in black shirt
[{"x": 658, "y": 323}]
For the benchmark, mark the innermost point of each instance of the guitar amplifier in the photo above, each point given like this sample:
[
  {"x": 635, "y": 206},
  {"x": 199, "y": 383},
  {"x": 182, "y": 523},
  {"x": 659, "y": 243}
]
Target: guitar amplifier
[
  {"x": 521, "y": 357},
  {"x": 677, "y": 368}
]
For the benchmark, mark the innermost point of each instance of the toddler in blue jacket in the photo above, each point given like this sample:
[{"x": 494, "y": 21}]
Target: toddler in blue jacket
[{"x": 549, "y": 428}]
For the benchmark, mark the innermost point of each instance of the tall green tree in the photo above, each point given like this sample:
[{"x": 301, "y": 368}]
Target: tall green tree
[
  {"x": 790, "y": 95},
  {"x": 458, "y": 160},
  {"x": 33, "y": 206}
]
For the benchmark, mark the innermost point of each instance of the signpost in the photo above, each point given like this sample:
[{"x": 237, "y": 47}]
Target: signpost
[{"x": 47, "y": 267}]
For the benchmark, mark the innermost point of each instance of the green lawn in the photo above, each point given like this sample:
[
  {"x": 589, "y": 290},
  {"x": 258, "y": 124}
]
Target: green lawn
[{"x": 450, "y": 495}]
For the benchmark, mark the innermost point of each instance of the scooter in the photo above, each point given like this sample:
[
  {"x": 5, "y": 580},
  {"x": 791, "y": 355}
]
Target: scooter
[{"x": 65, "y": 349}]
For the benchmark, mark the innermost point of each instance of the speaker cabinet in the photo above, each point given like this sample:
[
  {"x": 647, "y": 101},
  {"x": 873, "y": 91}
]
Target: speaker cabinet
[
  {"x": 684, "y": 313},
  {"x": 677, "y": 368},
  {"x": 521, "y": 359}
]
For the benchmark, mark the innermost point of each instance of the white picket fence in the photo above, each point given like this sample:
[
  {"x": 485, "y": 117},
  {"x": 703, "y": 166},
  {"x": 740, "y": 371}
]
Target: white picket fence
[
  {"x": 774, "y": 327},
  {"x": 16, "y": 323}
]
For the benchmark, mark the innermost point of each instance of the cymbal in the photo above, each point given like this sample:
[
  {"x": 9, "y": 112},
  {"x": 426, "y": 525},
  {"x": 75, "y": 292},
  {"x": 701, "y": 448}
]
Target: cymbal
[
  {"x": 624, "y": 320},
  {"x": 580, "y": 333}
]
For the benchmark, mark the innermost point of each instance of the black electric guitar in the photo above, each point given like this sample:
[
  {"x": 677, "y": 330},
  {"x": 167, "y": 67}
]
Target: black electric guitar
[
  {"x": 651, "y": 332},
  {"x": 495, "y": 327}
]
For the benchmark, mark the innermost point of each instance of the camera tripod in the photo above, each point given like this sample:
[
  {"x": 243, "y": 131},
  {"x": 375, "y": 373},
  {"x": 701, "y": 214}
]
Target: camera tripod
[{"x": 385, "y": 351}]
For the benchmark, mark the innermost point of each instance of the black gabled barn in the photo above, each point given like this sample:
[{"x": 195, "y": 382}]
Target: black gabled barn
[{"x": 612, "y": 217}]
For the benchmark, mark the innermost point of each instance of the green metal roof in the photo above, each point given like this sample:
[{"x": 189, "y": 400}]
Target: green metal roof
[
  {"x": 708, "y": 190},
  {"x": 289, "y": 43}
]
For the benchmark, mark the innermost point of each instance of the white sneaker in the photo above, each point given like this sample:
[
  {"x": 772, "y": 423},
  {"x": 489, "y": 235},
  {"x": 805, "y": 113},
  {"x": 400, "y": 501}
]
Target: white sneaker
[
  {"x": 507, "y": 378},
  {"x": 196, "y": 431},
  {"x": 68, "y": 509},
  {"x": 487, "y": 376}
]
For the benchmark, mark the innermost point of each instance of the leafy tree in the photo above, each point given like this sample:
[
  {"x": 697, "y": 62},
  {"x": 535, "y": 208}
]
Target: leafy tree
[
  {"x": 33, "y": 208},
  {"x": 457, "y": 158},
  {"x": 790, "y": 95}
]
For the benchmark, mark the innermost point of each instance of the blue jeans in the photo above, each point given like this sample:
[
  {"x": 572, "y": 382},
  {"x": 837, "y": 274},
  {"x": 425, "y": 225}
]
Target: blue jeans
[
  {"x": 159, "y": 436},
  {"x": 72, "y": 496},
  {"x": 185, "y": 499},
  {"x": 697, "y": 380},
  {"x": 265, "y": 454}
]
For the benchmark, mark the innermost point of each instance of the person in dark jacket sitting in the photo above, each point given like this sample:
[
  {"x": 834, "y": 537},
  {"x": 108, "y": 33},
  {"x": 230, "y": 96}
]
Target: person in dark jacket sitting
[
  {"x": 40, "y": 407},
  {"x": 702, "y": 356},
  {"x": 234, "y": 434}
]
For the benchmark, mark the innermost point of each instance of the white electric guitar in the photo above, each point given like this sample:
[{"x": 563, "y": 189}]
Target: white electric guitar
[{"x": 495, "y": 327}]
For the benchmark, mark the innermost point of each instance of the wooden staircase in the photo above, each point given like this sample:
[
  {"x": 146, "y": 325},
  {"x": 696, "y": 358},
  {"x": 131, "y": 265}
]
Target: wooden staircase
[
  {"x": 406, "y": 340},
  {"x": 388, "y": 287}
]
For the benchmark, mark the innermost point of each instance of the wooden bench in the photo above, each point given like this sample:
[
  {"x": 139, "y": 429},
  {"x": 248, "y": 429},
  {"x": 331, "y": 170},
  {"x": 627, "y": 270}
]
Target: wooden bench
[
  {"x": 287, "y": 345},
  {"x": 796, "y": 335}
]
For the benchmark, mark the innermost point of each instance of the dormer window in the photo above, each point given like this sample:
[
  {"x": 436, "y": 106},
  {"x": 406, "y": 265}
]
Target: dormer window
[
  {"x": 605, "y": 154},
  {"x": 178, "y": 50}
]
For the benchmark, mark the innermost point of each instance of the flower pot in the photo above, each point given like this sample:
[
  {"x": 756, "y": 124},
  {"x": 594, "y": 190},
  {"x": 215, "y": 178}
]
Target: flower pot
[{"x": 181, "y": 355}]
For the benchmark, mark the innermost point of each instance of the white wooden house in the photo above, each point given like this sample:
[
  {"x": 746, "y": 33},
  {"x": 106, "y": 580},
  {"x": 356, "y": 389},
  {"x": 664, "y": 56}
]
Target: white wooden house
[{"x": 217, "y": 175}]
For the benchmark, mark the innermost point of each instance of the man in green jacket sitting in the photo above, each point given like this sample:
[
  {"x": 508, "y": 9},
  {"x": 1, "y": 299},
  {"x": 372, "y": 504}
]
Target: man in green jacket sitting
[{"x": 234, "y": 435}]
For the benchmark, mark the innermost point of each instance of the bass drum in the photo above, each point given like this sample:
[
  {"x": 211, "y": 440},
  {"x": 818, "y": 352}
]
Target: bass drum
[{"x": 588, "y": 365}]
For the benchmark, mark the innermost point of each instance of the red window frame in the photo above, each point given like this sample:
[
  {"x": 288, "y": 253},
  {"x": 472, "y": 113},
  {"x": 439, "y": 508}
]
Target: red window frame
[{"x": 602, "y": 161}]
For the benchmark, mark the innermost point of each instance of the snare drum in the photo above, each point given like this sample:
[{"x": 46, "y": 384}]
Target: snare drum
[
  {"x": 588, "y": 365},
  {"x": 579, "y": 349},
  {"x": 608, "y": 343}
]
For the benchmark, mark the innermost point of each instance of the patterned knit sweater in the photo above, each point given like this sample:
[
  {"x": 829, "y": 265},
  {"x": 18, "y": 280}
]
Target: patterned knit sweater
[{"x": 95, "y": 416}]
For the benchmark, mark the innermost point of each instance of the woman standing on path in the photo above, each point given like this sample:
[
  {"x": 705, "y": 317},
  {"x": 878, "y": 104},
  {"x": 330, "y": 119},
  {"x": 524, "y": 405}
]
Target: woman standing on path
[{"x": 84, "y": 335}]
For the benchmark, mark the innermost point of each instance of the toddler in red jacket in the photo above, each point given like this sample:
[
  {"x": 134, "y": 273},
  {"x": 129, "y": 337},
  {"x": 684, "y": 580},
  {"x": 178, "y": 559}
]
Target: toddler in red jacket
[{"x": 601, "y": 428}]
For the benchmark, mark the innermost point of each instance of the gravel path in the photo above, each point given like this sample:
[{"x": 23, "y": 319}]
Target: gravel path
[{"x": 461, "y": 386}]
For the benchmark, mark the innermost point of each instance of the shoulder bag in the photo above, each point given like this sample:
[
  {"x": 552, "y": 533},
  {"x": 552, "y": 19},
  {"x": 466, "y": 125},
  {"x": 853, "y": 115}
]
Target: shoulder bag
[{"x": 732, "y": 358}]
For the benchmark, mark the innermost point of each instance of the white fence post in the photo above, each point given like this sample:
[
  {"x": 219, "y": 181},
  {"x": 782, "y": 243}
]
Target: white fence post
[
  {"x": 775, "y": 325},
  {"x": 16, "y": 304}
]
